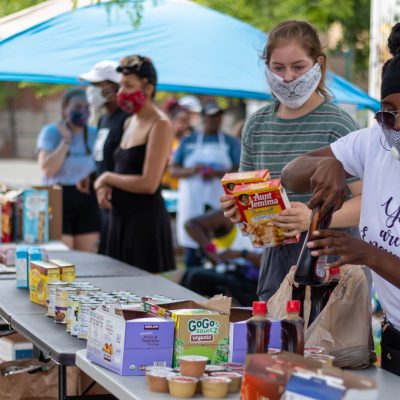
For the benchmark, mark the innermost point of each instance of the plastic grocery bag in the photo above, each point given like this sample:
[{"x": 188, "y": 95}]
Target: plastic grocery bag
[
  {"x": 39, "y": 383},
  {"x": 343, "y": 327}
]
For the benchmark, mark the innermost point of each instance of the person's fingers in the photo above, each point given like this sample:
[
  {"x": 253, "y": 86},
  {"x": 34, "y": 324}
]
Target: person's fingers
[
  {"x": 317, "y": 198},
  {"x": 319, "y": 243},
  {"x": 325, "y": 233},
  {"x": 285, "y": 219},
  {"x": 291, "y": 233},
  {"x": 231, "y": 212}
]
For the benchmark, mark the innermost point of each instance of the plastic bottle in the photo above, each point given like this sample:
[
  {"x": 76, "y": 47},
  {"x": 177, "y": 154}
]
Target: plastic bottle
[
  {"x": 311, "y": 269},
  {"x": 258, "y": 329},
  {"x": 319, "y": 298},
  {"x": 334, "y": 278},
  {"x": 292, "y": 329}
]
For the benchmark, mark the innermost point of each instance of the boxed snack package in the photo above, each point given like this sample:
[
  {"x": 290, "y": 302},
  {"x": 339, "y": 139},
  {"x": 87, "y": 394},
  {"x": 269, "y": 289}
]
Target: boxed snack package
[
  {"x": 126, "y": 341},
  {"x": 67, "y": 269},
  {"x": 15, "y": 347},
  {"x": 41, "y": 272},
  {"x": 238, "y": 334},
  {"x": 35, "y": 216},
  {"x": 233, "y": 179},
  {"x": 200, "y": 328},
  {"x": 258, "y": 204},
  {"x": 8, "y": 201}
]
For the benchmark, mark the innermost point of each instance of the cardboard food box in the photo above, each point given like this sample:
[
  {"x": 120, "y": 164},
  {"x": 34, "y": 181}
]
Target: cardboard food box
[
  {"x": 15, "y": 347},
  {"x": 233, "y": 179},
  {"x": 55, "y": 210},
  {"x": 67, "y": 269},
  {"x": 126, "y": 341},
  {"x": 268, "y": 375},
  {"x": 258, "y": 204},
  {"x": 41, "y": 272},
  {"x": 238, "y": 334},
  {"x": 200, "y": 328},
  {"x": 8, "y": 201},
  {"x": 36, "y": 216}
]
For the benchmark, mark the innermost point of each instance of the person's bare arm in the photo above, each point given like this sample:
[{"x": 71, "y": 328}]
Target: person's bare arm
[
  {"x": 157, "y": 154},
  {"x": 177, "y": 171},
  {"x": 322, "y": 174}
]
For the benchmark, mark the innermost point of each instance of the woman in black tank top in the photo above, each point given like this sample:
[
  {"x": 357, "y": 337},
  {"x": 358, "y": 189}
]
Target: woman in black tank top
[{"x": 140, "y": 231}]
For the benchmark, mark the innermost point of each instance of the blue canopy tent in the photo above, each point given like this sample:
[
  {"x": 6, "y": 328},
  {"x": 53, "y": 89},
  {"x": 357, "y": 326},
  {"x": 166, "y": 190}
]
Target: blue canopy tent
[{"x": 195, "y": 50}]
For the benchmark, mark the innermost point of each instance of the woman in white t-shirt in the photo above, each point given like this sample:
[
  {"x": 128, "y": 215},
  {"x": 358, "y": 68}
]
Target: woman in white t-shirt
[{"x": 373, "y": 154}]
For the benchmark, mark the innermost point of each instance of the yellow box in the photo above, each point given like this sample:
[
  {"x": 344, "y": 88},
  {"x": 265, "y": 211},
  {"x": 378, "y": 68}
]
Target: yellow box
[
  {"x": 40, "y": 273},
  {"x": 67, "y": 269}
]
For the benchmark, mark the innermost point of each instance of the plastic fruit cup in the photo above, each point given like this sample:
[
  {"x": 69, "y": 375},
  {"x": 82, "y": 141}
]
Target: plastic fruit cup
[
  {"x": 236, "y": 380},
  {"x": 214, "y": 387},
  {"x": 182, "y": 387},
  {"x": 193, "y": 365},
  {"x": 314, "y": 350},
  {"x": 156, "y": 368},
  {"x": 158, "y": 380},
  {"x": 274, "y": 351},
  {"x": 234, "y": 367},
  {"x": 214, "y": 368}
]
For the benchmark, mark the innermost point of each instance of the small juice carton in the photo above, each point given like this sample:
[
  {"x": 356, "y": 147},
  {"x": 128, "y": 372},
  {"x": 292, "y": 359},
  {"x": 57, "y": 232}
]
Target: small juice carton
[
  {"x": 41, "y": 272},
  {"x": 259, "y": 204},
  {"x": 233, "y": 179},
  {"x": 22, "y": 267}
]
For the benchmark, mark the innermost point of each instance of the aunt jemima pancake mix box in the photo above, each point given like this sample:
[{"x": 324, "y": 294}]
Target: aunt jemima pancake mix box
[
  {"x": 258, "y": 204},
  {"x": 231, "y": 180}
]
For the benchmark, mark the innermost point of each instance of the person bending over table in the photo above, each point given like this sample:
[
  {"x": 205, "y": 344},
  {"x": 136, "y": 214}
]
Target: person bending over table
[{"x": 373, "y": 154}]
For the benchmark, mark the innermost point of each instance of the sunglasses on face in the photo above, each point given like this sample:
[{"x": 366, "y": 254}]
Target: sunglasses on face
[{"x": 387, "y": 119}]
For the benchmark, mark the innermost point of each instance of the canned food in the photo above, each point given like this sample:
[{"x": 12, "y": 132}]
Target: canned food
[
  {"x": 51, "y": 296},
  {"x": 62, "y": 293},
  {"x": 84, "y": 316},
  {"x": 80, "y": 284},
  {"x": 85, "y": 290},
  {"x": 70, "y": 313},
  {"x": 75, "y": 309}
]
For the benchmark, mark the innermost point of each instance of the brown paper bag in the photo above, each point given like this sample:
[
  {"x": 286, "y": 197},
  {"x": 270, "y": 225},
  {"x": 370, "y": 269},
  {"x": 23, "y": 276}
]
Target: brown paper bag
[
  {"x": 41, "y": 385},
  {"x": 343, "y": 327}
]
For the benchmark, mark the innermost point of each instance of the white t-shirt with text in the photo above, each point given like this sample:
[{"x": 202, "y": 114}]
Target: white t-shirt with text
[{"x": 365, "y": 153}]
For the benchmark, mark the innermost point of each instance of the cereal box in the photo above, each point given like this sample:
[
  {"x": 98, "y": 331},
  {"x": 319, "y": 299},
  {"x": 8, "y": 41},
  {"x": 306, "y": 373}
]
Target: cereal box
[
  {"x": 8, "y": 201},
  {"x": 67, "y": 269},
  {"x": 231, "y": 180},
  {"x": 258, "y": 204},
  {"x": 41, "y": 272},
  {"x": 36, "y": 216}
]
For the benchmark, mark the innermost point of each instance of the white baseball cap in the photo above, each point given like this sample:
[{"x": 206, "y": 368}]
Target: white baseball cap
[
  {"x": 192, "y": 103},
  {"x": 102, "y": 71}
]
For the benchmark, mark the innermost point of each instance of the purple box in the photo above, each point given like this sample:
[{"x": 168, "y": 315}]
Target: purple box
[
  {"x": 126, "y": 341},
  {"x": 238, "y": 334}
]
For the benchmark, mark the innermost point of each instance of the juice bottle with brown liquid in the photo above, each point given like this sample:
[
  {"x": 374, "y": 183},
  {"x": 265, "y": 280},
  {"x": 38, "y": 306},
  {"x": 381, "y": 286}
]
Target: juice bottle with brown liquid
[
  {"x": 258, "y": 329},
  {"x": 292, "y": 329},
  {"x": 299, "y": 293},
  {"x": 311, "y": 269}
]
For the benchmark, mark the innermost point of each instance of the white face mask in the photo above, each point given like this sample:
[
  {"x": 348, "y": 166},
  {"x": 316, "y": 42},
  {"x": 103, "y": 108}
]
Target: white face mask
[
  {"x": 295, "y": 93},
  {"x": 393, "y": 139},
  {"x": 95, "y": 97}
]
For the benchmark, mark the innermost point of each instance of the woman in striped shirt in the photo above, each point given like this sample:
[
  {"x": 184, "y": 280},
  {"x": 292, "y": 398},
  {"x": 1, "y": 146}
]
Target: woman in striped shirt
[{"x": 302, "y": 118}]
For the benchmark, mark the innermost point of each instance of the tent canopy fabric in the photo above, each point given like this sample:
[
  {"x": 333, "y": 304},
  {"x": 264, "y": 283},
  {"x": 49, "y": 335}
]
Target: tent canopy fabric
[{"x": 194, "y": 48}]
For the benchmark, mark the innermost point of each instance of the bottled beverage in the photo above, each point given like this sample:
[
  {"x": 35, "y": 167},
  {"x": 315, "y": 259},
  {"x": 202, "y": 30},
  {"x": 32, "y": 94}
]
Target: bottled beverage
[
  {"x": 319, "y": 298},
  {"x": 292, "y": 329},
  {"x": 258, "y": 329},
  {"x": 299, "y": 293},
  {"x": 334, "y": 278},
  {"x": 311, "y": 269}
]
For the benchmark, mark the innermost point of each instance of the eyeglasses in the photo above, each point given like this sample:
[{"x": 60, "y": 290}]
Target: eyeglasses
[{"x": 387, "y": 119}]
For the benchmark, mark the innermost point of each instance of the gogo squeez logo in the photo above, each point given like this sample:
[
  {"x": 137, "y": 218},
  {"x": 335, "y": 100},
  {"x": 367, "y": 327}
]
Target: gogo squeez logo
[{"x": 203, "y": 330}]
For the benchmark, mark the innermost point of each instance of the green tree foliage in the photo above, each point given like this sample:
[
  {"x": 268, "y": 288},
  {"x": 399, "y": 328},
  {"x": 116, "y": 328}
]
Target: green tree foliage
[{"x": 352, "y": 15}]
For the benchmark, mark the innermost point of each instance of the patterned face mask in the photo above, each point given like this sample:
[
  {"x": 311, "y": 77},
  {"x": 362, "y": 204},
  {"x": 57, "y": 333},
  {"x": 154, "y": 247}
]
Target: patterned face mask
[
  {"x": 131, "y": 102},
  {"x": 294, "y": 94},
  {"x": 393, "y": 139}
]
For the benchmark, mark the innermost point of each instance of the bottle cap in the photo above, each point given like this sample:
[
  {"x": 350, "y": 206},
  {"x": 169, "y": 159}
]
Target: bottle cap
[
  {"x": 293, "y": 306},
  {"x": 334, "y": 271},
  {"x": 259, "y": 307}
]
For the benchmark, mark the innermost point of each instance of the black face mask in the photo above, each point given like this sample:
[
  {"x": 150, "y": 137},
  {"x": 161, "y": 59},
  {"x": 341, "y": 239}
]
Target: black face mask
[{"x": 79, "y": 116}]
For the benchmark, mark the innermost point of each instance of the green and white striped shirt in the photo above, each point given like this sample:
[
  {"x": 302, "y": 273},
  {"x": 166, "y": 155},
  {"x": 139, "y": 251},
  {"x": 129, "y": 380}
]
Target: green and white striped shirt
[{"x": 271, "y": 142}]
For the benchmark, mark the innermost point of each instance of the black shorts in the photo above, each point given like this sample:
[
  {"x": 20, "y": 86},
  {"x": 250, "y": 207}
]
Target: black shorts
[{"x": 80, "y": 212}]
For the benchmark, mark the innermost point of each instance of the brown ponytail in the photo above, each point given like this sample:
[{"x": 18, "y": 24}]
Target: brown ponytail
[{"x": 307, "y": 37}]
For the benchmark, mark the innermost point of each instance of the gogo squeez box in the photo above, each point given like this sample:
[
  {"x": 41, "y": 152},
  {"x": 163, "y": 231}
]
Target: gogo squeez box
[
  {"x": 127, "y": 341},
  {"x": 199, "y": 329}
]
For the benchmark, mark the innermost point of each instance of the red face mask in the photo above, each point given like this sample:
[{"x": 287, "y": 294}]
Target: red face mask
[{"x": 131, "y": 102}]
